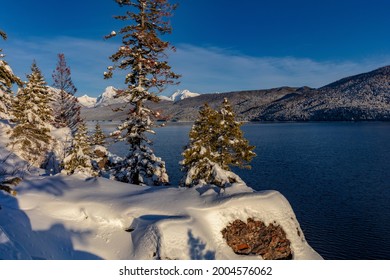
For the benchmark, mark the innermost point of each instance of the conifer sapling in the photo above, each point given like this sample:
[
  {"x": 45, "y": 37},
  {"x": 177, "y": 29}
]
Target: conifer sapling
[
  {"x": 98, "y": 137},
  {"x": 78, "y": 157},
  {"x": 67, "y": 108}
]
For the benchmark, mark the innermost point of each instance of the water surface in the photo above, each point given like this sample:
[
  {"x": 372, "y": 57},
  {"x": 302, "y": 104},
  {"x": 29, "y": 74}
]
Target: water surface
[{"x": 335, "y": 175}]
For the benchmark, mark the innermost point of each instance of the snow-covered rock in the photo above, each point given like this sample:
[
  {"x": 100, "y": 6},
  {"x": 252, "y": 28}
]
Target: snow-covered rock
[{"x": 87, "y": 101}]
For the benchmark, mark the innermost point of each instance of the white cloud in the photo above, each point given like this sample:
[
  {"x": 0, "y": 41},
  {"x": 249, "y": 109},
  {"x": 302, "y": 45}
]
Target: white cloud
[
  {"x": 219, "y": 70},
  {"x": 203, "y": 69},
  {"x": 88, "y": 59}
]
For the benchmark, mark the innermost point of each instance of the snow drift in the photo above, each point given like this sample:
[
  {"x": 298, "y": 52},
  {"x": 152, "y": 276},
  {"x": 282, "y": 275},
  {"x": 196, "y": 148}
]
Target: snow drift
[{"x": 73, "y": 217}]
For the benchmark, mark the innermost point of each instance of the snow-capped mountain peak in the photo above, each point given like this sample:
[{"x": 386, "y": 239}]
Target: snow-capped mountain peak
[
  {"x": 180, "y": 95},
  {"x": 87, "y": 101},
  {"x": 107, "y": 97}
]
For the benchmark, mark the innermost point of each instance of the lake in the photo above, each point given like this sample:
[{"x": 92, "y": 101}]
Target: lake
[{"x": 335, "y": 175}]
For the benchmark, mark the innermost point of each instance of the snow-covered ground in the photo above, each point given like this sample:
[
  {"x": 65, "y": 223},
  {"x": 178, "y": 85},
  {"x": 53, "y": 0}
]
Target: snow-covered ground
[{"x": 75, "y": 217}]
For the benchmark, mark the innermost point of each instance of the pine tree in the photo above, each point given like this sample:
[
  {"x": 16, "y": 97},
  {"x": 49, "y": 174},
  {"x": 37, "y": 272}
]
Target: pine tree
[
  {"x": 216, "y": 144},
  {"x": 98, "y": 137},
  {"x": 7, "y": 79},
  {"x": 31, "y": 138},
  {"x": 143, "y": 55},
  {"x": 199, "y": 157},
  {"x": 231, "y": 146},
  {"x": 67, "y": 108},
  {"x": 78, "y": 156}
]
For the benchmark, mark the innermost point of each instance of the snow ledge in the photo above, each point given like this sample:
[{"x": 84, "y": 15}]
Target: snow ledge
[{"x": 73, "y": 217}]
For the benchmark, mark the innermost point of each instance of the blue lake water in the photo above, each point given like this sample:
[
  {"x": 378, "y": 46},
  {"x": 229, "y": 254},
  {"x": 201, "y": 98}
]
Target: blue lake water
[{"x": 335, "y": 175}]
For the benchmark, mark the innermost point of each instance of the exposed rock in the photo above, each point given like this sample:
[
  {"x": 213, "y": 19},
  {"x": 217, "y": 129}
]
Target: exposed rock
[
  {"x": 6, "y": 185},
  {"x": 255, "y": 238}
]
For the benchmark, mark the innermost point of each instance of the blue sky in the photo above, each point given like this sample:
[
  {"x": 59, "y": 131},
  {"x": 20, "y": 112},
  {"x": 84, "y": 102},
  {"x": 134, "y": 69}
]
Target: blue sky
[{"x": 221, "y": 45}]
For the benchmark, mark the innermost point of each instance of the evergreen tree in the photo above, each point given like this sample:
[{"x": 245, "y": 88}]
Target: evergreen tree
[
  {"x": 232, "y": 149},
  {"x": 98, "y": 137},
  {"x": 7, "y": 79},
  {"x": 143, "y": 55},
  {"x": 78, "y": 156},
  {"x": 199, "y": 157},
  {"x": 216, "y": 144},
  {"x": 67, "y": 108},
  {"x": 31, "y": 138}
]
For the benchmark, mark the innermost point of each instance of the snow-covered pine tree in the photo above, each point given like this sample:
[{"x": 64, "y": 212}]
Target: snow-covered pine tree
[
  {"x": 199, "y": 157},
  {"x": 7, "y": 79},
  {"x": 31, "y": 138},
  {"x": 98, "y": 137},
  {"x": 216, "y": 144},
  {"x": 232, "y": 149},
  {"x": 143, "y": 55},
  {"x": 66, "y": 107},
  {"x": 78, "y": 157}
]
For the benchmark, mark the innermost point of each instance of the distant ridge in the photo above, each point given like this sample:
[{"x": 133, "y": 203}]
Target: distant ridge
[
  {"x": 109, "y": 97},
  {"x": 361, "y": 97},
  {"x": 383, "y": 71}
]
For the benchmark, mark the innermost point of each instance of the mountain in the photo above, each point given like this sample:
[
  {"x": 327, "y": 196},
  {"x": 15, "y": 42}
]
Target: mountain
[
  {"x": 179, "y": 95},
  {"x": 182, "y": 94},
  {"x": 166, "y": 98},
  {"x": 109, "y": 97},
  {"x": 361, "y": 97},
  {"x": 87, "y": 101}
]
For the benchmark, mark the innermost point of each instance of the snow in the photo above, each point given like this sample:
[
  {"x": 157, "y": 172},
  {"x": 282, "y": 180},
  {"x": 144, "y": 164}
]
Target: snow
[
  {"x": 108, "y": 97},
  {"x": 166, "y": 98},
  {"x": 66, "y": 217},
  {"x": 179, "y": 95},
  {"x": 78, "y": 217},
  {"x": 6, "y": 67},
  {"x": 87, "y": 101}
]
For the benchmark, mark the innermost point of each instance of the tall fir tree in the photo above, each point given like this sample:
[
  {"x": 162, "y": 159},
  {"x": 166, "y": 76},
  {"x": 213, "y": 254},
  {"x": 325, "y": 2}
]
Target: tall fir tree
[
  {"x": 7, "y": 79},
  {"x": 66, "y": 108},
  {"x": 31, "y": 138},
  {"x": 78, "y": 157},
  {"x": 143, "y": 55},
  {"x": 216, "y": 144}
]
